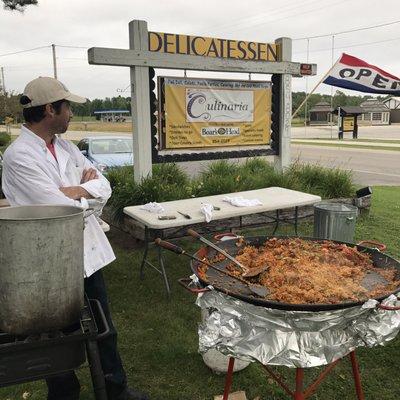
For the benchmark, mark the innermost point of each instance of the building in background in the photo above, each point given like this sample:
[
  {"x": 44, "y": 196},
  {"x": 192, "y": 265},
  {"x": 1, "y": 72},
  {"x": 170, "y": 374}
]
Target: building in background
[
  {"x": 321, "y": 114},
  {"x": 112, "y": 115},
  {"x": 393, "y": 105},
  {"x": 374, "y": 113}
]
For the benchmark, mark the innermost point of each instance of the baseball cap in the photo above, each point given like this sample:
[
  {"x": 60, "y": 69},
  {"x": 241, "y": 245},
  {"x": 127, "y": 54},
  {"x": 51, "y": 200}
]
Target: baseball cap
[{"x": 46, "y": 90}]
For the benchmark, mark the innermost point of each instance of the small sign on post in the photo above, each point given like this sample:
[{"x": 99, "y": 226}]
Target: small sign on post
[
  {"x": 347, "y": 120},
  {"x": 349, "y": 124}
]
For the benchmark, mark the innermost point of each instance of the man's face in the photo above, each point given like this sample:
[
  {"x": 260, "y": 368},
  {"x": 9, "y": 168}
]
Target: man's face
[{"x": 61, "y": 120}]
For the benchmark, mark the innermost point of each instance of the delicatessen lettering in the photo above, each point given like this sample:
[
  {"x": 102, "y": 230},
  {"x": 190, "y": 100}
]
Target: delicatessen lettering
[{"x": 212, "y": 47}]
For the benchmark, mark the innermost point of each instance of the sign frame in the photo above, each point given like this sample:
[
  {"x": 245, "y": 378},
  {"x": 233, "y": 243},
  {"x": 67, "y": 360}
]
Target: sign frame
[
  {"x": 161, "y": 123},
  {"x": 212, "y": 153}
]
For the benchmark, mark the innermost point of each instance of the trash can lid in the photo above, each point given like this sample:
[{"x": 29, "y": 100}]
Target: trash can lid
[{"x": 338, "y": 207}]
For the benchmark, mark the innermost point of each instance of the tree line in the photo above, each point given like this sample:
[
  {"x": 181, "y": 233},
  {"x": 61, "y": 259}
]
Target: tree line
[
  {"x": 9, "y": 105},
  {"x": 338, "y": 99}
]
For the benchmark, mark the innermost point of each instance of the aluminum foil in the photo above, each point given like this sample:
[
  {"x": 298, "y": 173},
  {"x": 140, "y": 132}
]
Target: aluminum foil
[{"x": 291, "y": 338}]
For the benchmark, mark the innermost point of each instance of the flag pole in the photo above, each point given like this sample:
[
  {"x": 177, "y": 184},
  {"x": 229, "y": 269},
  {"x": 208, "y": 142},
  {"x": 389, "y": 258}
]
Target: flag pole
[
  {"x": 312, "y": 91},
  {"x": 333, "y": 50}
]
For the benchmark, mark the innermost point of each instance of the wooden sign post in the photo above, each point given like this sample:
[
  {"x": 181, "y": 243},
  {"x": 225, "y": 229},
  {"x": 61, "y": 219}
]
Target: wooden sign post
[{"x": 256, "y": 59}]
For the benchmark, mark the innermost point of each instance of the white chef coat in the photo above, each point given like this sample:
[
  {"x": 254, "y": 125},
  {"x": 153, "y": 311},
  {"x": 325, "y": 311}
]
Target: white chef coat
[{"x": 31, "y": 175}]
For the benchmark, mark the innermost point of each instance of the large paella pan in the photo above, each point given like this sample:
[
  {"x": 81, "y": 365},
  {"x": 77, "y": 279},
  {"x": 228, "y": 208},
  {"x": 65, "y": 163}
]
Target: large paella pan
[{"x": 381, "y": 262}]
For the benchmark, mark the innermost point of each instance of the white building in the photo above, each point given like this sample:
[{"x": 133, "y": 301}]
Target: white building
[
  {"x": 393, "y": 104},
  {"x": 374, "y": 113}
]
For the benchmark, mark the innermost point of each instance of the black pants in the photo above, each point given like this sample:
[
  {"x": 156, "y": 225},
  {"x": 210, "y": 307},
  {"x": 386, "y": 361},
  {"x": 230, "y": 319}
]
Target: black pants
[{"x": 66, "y": 386}]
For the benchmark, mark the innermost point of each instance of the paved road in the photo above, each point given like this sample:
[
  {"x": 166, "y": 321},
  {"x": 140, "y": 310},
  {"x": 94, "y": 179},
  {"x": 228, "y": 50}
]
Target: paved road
[
  {"x": 370, "y": 167},
  {"x": 364, "y": 132}
]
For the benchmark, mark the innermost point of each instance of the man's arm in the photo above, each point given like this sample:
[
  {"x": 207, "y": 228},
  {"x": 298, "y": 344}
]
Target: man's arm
[
  {"x": 98, "y": 187},
  {"x": 77, "y": 192},
  {"x": 29, "y": 184}
]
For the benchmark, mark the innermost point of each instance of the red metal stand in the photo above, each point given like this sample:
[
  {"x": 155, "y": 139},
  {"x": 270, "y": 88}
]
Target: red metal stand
[
  {"x": 228, "y": 379},
  {"x": 300, "y": 393}
]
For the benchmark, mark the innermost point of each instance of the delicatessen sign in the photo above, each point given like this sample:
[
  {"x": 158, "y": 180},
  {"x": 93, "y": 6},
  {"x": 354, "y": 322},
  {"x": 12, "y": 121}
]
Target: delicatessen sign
[
  {"x": 210, "y": 113},
  {"x": 212, "y": 47}
]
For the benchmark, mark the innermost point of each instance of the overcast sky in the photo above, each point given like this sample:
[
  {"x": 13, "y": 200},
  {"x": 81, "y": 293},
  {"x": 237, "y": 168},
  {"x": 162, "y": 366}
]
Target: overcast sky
[{"x": 102, "y": 23}]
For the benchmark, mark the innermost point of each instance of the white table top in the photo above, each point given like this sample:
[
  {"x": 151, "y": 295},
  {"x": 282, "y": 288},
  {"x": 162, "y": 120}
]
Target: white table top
[{"x": 272, "y": 198}]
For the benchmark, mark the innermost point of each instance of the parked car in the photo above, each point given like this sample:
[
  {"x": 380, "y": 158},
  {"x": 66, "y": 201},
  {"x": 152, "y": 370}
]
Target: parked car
[{"x": 106, "y": 152}]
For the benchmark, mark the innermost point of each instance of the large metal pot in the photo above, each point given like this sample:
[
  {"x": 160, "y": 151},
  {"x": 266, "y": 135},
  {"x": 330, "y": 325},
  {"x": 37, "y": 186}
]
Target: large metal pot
[{"x": 41, "y": 267}]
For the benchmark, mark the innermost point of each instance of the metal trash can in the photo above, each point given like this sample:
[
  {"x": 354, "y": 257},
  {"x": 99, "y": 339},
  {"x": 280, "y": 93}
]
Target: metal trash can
[{"x": 335, "y": 221}]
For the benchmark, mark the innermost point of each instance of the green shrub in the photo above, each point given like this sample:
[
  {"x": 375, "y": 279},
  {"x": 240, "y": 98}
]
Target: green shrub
[
  {"x": 218, "y": 177},
  {"x": 118, "y": 175},
  {"x": 325, "y": 182},
  {"x": 5, "y": 139},
  {"x": 168, "y": 182}
]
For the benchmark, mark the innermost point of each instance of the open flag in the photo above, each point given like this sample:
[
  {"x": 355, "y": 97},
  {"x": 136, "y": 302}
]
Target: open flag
[{"x": 352, "y": 73}]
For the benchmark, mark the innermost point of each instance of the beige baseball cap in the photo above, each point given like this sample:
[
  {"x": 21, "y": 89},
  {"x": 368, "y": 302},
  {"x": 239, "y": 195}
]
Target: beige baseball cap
[{"x": 46, "y": 90}]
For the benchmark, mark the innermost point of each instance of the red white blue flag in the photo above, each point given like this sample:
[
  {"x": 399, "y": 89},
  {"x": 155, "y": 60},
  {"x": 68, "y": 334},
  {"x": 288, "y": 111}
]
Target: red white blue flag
[{"x": 352, "y": 73}]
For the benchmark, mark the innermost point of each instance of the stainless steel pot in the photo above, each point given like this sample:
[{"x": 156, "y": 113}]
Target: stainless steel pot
[{"x": 41, "y": 267}]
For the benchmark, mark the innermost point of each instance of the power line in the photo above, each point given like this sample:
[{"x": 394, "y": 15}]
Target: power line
[
  {"x": 255, "y": 18},
  {"x": 24, "y": 51},
  {"x": 72, "y": 47},
  {"x": 349, "y": 46},
  {"x": 72, "y": 58},
  {"x": 349, "y": 31},
  {"x": 291, "y": 16},
  {"x": 42, "y": 47}
]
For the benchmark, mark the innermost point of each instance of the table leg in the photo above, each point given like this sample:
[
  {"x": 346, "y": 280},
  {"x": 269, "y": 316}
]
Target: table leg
[
  {"x": 296, "y": 215},
  {"x": 146, "y": 249},
  {"x": 276, "y": 222},
  {"x": 164, "y": 274}
]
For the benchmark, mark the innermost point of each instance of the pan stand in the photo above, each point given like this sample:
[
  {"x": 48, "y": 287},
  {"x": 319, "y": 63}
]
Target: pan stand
[{"x": 300, "y": 393}]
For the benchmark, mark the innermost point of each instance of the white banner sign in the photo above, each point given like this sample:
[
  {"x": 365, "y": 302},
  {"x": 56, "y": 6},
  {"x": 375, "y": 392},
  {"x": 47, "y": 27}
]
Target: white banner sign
[{"x": 215, "y": 105}]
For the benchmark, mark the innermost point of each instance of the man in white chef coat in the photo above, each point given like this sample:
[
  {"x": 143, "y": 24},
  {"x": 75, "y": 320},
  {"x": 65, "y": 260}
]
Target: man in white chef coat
[{"x": 41, "y": 168}]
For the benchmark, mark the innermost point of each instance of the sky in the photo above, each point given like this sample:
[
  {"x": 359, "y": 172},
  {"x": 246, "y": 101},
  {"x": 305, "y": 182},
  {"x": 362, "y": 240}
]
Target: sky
[{"x": 84, "y": 24}]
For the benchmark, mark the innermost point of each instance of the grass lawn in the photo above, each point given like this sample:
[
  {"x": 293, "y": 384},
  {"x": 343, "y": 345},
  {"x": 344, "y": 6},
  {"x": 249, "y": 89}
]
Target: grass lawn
[
  {"x": 158, "y": 339},
  {"x": 298, "y": 122},
  {"x": 99, "y": 126}
]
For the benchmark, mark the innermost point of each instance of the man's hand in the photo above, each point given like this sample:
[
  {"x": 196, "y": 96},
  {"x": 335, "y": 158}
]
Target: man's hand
[
  {"x": 76, "y": 192},
  {"x": 88, "y": 175}
]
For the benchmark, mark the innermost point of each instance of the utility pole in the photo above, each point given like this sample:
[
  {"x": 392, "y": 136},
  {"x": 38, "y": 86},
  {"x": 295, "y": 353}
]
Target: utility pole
[
  {"x": 3, "y": 92},
  {"x": 3, "y": 85},
  {"x": 332, "y": 63},
  {"x": 306, "y": 108},
  {"x": 53, "y": 47}
]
